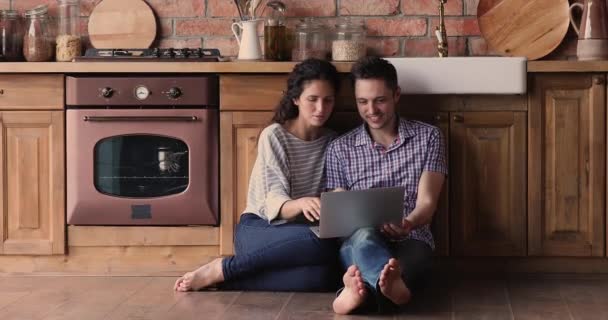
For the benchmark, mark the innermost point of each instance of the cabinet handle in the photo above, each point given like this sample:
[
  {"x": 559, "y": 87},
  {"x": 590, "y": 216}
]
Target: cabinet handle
[
  {"x": 438, "y": 117},
  {"x": 458, "y": 118},
  {"x": 598, "y": 80},
  {"x": 1, "y": 91},
  {"x": 139, "y": 118}
]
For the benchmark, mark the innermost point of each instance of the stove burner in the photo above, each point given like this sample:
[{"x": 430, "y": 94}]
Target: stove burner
[{"x": 154, "y": 54}]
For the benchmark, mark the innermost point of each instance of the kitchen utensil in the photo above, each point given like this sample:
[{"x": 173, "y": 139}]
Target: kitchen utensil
[
  {"x": 593, "y": 31},
  {"x": 249, "y": 44},
  {"x": 122, "y": 24},
  {"x": 530, "y": 28}
]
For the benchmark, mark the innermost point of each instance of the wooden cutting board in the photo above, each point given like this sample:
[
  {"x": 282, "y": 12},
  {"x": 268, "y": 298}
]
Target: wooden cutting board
[
  {"x": 122, "y": 24},
  {"x": 529, "y": 28}
]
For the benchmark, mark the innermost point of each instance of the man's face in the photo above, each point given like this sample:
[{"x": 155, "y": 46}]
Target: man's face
[{"x": 376, "y": 103}]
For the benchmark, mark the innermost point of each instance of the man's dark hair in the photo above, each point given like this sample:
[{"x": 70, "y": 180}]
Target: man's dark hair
[{"x": 375, "y": 68}]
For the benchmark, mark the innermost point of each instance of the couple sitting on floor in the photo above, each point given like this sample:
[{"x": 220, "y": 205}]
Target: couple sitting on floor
[{"x": 298, "y": 158}]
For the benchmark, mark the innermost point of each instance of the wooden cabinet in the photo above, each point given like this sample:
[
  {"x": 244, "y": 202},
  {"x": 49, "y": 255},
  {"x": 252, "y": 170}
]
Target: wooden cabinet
[
  {"x": 567, "y": 165},
  {"x": 32, "y": 192},
  {"x": 239, "y": 132},
  {"x": 488, "y": 182},
  {"x": 440, "y": 226}
]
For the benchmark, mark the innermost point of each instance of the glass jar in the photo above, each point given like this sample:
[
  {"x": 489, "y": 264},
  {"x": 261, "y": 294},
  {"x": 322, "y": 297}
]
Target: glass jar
[
  {"x": 349, "y": 40},
  {"x": 275, "y": 37},
  {"x": 37, "y": 41},
  {"x": 11, "y": 36},
  {"x": 309, "y": 41},
  {"x": 68, "y": 42}
]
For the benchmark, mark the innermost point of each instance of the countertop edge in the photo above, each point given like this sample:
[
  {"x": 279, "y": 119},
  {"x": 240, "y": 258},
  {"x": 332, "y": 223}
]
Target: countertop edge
[{"x": 245, "y": 67}]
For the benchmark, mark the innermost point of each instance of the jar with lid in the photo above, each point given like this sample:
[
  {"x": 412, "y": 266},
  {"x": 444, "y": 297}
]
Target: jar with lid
[
  {"x": 11, "y": 36},
  {"x": 68, "y": 42},
  {"x": 310, "y": 41},
  {"x": 275, "y": 33},
  {"x": 37, "y": 41},
  {"x": 349, "y": 40}
]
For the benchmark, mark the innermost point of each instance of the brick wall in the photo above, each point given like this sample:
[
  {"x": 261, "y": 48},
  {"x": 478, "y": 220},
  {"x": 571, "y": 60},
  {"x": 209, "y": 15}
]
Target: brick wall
[{"x": 395, "y": 27}]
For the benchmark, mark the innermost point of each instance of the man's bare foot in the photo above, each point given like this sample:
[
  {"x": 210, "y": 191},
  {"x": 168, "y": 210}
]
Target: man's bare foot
[
  {"x": 353, "y": 294},
  {"x": 205, "y": 276},
  {"x": 391, "y": 284}
]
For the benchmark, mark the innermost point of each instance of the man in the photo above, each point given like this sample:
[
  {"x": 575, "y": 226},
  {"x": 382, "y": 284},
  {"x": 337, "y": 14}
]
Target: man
[{"x": 385, "y": 264}]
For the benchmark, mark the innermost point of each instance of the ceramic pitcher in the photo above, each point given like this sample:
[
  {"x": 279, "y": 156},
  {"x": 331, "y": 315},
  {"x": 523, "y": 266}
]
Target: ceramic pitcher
[
  {"x": 593, "y": 31},
  {"x": 249, "y": 43}
]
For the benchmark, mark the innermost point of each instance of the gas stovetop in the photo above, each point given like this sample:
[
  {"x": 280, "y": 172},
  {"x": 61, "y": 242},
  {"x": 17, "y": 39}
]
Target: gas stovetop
[{"x": 153, "y": 54}]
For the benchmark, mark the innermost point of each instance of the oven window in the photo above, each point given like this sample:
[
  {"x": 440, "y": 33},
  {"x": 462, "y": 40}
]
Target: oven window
[{"x": 141, "y": 166}]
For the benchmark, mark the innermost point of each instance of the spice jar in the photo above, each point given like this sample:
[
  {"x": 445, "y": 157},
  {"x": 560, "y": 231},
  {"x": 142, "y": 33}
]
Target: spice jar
[
  {"x": 68, "y": 42},
  {"x": 349, "y": 40},
  {"x": 275, "y": 33},
  {"x": 11, "y": 36},
  {"x": 310, "y": 41},
  {"x": 37, "y": 42}
]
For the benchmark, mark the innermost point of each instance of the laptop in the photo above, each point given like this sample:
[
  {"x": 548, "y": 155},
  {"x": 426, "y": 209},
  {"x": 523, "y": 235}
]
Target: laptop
[{"x": 342, "y": 213}]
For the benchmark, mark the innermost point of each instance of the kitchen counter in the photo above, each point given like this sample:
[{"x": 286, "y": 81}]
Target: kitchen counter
[
  {"x": 241, "y": 67},
  {"x": 154, "y": 67}
]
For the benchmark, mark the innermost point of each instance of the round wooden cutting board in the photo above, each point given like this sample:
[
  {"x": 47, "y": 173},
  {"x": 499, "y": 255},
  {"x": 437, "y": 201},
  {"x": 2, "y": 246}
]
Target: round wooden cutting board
[
  {"x": 122, "y": 24},
  {"x": 528, "y": 28}
]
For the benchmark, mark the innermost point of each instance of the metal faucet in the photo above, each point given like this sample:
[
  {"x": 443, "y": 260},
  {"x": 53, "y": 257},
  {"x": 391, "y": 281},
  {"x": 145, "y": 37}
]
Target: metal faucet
[{"x": 442, "y": 37}]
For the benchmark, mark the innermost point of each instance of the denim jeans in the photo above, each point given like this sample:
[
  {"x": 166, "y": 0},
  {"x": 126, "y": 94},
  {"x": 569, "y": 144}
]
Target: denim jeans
[
  {"x": 369, "y": 250},
  {"x": 287, "y": 257}
]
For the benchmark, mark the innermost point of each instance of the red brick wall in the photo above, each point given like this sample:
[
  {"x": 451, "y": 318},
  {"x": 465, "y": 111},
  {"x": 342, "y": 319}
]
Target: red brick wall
[{"x": 395, "y": 27}]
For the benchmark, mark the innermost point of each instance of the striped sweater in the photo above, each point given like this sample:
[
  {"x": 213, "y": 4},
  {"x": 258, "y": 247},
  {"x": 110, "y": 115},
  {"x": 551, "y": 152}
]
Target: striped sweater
[{"x": 286, "y": 168}]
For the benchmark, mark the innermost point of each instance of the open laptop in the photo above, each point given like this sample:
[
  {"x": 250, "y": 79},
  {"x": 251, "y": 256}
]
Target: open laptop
[{"x": 344, "y": 212}]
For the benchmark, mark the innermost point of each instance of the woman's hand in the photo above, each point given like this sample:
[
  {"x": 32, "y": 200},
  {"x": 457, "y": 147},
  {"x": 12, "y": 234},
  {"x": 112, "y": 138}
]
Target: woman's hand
[{"x": 310, "y": 207}]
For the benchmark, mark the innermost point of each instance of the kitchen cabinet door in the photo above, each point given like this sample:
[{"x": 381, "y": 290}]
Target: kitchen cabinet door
[
  {"x": 567, "y": 165},
  {"x": 33, "y": 182},
  {"x": 239, "y": 132},
  {"x": 440, "y": 226},
  {"x": 488, "y": 183}
]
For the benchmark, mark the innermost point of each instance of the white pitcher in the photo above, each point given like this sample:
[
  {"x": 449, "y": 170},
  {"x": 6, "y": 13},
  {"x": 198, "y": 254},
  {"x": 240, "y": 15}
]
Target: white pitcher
[{"x": 249, "y": 43}]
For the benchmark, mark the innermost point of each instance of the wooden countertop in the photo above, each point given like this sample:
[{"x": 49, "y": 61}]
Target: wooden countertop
[
  {"x": 568, "y": 66},
  {"x": 241, "y": 67},
  {"x": 154, "y": 67}
]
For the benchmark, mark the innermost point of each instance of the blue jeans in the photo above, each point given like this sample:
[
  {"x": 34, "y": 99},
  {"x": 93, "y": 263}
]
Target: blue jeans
[
  {"x": 369, "y": 250},
  {"x": 287, "y": 257}
]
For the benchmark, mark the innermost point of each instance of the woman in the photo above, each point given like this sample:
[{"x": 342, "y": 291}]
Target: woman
[{"x": 274, "y": 247}]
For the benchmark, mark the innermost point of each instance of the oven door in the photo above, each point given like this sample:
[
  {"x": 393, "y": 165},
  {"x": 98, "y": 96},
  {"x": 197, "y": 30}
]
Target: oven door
[{"x": 142, "y": 167}]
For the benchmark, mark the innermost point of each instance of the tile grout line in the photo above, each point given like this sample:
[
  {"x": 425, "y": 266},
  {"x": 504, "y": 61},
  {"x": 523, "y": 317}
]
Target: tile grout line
[
  {"x": 146, "y": 284},
  {"x": 506, "y": 288},
  {"x": 284, "y": 305},
  {"x": 221, "y": 315},
  {"x": 561, "y": 296},
  {"x": 452, "y": 311}
]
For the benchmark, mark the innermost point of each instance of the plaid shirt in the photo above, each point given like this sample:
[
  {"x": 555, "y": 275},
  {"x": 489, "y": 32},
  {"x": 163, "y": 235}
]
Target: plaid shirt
[{"x": 355, "y": 162}]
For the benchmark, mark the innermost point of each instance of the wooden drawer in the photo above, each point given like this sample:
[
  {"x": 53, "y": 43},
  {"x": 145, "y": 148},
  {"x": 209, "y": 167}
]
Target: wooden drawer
[
  {"x": 263, "y": 92},
  {"x": 28, "y": 91}
]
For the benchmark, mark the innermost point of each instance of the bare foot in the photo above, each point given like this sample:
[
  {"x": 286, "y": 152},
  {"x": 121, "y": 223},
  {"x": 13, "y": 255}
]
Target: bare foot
[
  {"x": 353, "y": 294},
  {"x": 392, "y": 285},
  {"x": 205, "y": 276}
]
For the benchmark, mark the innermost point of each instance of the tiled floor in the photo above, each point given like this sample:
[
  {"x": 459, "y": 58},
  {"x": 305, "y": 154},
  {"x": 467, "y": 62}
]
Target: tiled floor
[{"x": 515, "y": 297}]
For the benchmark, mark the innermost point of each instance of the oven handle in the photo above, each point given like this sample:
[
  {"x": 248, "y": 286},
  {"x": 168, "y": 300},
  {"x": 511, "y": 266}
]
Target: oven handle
[{"x": 140, "y": 118}]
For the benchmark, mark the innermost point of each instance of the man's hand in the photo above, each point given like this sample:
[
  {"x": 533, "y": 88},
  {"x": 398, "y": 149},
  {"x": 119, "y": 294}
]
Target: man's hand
[
  {"x": 310, "y": 207},
  {"x": 397, "y": 232}
]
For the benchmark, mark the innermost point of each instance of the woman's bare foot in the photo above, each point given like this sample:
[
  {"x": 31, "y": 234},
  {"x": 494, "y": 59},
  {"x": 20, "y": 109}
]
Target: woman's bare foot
[
  {"x": 391, "y": 284},
  {"x": 205, "y": 276},
  {"x": 353, "y": 294}
]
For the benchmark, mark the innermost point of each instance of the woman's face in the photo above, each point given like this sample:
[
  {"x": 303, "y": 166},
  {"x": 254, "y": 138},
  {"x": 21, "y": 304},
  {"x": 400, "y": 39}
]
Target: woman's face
[{"x": 316, "y": 102}]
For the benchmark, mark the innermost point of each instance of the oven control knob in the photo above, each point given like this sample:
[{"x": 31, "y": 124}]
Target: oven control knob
[
  {"x": 174, "y": 93},
  {"x": 142, "y": 92},
  {"x": 107, "y": 92}
]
